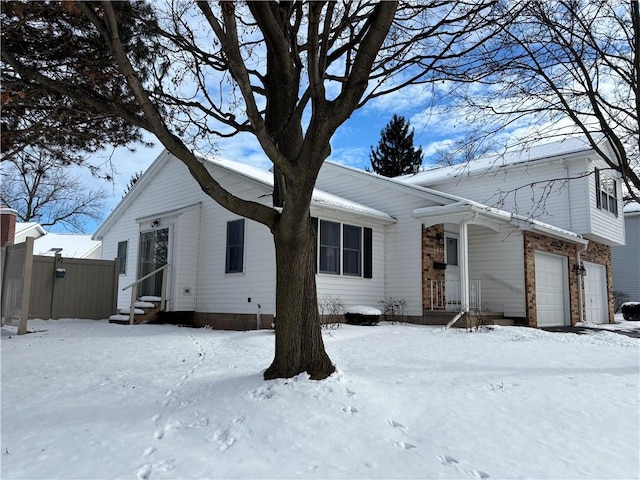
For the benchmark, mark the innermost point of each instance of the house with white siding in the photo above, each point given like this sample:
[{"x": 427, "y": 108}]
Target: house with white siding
[
  {"x": 626, "y": 259},
  {"x": 444, "y": 240}
]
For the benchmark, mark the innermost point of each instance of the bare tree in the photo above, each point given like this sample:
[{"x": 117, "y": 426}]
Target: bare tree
[
  {"x": 41, "y": 190},
  {"x": 289, "y": 73},
  {"x": 567, "y": 65}
]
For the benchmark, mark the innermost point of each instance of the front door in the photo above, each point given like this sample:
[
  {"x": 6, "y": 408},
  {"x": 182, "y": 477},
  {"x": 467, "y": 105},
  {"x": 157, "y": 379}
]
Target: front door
[
  {"x": 154, "y": 253},
  {"x": 452, "y": 273},
  {"x": 595, "y": 292}
]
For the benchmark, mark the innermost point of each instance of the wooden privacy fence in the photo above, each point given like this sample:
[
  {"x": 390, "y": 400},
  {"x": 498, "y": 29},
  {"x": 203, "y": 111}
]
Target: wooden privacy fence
[{"x": 55, "y": 287}]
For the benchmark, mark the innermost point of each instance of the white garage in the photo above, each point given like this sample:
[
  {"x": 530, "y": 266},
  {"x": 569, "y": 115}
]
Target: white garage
[
  {"x": 595, "y": 293},
  {"x": 552, "y": 288}
]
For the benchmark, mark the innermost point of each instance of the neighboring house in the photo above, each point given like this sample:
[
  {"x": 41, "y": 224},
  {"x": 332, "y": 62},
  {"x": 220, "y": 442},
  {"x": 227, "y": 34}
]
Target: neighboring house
[
  {"x": 69, "y": 245},
  {"x": 28, "y": 229},
  {"x": 626, "y": 259},
  {"x": 440, "y": 247}
]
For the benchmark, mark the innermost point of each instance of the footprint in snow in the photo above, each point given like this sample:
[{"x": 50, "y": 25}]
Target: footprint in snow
[
  {"x": 447, "y": 460},
  {"x": 452, "y": 462},
  {"x": 403, "y": 445},
  {"x": 149, "y": 451},
  {"x": 396, "y": 424},
  {"x": 144, "y": 472},
  {"x": 350, "y": 410}
]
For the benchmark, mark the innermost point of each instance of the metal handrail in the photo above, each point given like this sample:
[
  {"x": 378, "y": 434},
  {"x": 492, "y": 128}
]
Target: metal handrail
[
  {"x": 146, "y": 276},
  {"x": 134, "y": 290}
]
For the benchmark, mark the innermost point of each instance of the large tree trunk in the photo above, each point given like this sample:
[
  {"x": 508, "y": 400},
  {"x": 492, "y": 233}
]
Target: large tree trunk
[{"x": 299, "y": 345}]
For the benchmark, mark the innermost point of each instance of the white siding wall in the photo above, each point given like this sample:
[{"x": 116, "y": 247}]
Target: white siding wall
[
  {"x": 198, "y": 247},
  {"x": 539, "y": 191},
  {"x": 626, "y": 260},
  {"x": 220, "y": 292},
  {"x": 604, "y": 226},
  {"x": 496, "y": 260},
  {"x": 402, "y": 240},
  {"x": 526, "y": 191},
  {"x": 185, "y": 261}
]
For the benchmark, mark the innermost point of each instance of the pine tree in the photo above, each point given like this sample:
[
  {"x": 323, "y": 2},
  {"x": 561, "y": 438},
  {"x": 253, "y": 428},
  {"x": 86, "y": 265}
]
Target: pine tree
[{"x": 395, "y": 154}]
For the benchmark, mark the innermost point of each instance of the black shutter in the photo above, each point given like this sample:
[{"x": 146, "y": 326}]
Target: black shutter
[
  {"x": 314, "y": 225},
  {"x": 598, "y": 199},
  {"x": 367, "y": 253}
]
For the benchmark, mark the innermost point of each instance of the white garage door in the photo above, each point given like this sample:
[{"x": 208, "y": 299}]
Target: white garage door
[
  {"x": 595, "y": 293},
  {"x": 551, "y": 290}
]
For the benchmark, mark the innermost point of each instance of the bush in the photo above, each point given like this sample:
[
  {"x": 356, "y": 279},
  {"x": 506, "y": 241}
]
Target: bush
[
  {"x": 631, "y": 311},
  {"x": 331, "y": 308},
  {"x": 393, "y": 308}
]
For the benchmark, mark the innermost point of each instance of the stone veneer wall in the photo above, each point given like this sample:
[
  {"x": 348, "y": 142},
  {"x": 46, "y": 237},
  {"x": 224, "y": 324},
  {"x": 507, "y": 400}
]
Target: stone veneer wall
[
  {"x": 595, "y": 253},
  {"x": 431, "y": 252}
]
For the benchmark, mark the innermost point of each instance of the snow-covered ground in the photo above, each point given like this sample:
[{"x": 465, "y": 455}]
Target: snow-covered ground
[{"x": 86, "y": 399}]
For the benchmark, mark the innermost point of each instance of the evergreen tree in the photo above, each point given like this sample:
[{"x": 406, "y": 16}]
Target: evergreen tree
[{"x": 395, "y": 154}]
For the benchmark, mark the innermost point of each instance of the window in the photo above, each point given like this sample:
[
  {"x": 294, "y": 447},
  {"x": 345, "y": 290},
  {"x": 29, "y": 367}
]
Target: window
[
  {"x": 329, "y": 247},
  {"x": 352, "y": 250},
  {"x": 451, "y": 249},
  {"x": 235, "y": 247},
  {"x": 606, "y": 193},
  {"x": 355, "y": 243},
  {"x": 122, "y": 255}
]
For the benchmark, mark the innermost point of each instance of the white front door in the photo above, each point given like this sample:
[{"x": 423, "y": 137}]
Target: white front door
[
  {"x": 595, "y": 293},
  {"x": 551, "y": 290},
  {"x": 452, "y": 273}
]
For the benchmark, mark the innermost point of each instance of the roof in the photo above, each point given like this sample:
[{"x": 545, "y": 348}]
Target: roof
[
  {"x": 66, "y": 244},
  {"x": 320, "y": 199},
  {"x": 534, "y": 154},
  {"x": 632, "y": 208},
  {"x": 28, "y": 229}
]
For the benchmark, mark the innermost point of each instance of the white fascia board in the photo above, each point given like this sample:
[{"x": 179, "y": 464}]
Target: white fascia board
[
  {"x": 318, "y": 209},
  {"x": 463, "y": 212}
]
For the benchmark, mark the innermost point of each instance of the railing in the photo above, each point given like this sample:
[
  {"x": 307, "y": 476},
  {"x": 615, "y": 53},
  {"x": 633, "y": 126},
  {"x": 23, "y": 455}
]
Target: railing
[
  {"x": 134, "y": 290},
  {"x": 445, "y": 295}
]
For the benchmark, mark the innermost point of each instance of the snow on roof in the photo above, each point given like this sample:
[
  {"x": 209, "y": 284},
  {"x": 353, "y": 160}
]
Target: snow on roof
[
  {"x": 66, "y": 244},
  {"x": 22, "y": 226},
  {"x": 566, "y": 146},
  {"x": 320, "y": 198},
  {"x": 633, "y": 207}
]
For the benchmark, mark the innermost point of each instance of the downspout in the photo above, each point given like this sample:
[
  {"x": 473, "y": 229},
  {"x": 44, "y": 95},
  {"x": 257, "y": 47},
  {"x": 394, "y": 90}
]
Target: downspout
[{"x": 579, "y": 282}]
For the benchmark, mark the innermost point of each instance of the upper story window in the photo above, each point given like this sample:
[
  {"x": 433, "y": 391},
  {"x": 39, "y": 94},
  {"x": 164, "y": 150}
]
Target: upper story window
[
  {"x": 343, "y": 249},
  {"x": 606, "y": 192},
  {"x": 122, "y": 255},
  {"x": 235, "y": 247}
]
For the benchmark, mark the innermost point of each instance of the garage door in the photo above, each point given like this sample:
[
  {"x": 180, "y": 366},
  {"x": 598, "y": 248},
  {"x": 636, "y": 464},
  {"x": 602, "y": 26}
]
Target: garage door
[
  {"x": 551, "y": 290},
  {"x": 595, "y": 293}
]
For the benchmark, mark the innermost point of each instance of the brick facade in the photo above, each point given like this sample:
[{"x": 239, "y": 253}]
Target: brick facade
[
  {"x": 432, "y": 251},
  {"x": 7, "y": 226},
  {"x": 595, "y": 253}
]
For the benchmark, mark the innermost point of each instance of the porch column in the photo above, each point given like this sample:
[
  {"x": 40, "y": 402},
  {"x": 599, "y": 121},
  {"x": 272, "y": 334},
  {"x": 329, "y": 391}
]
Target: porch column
[{"x": 463, "y": 263}]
